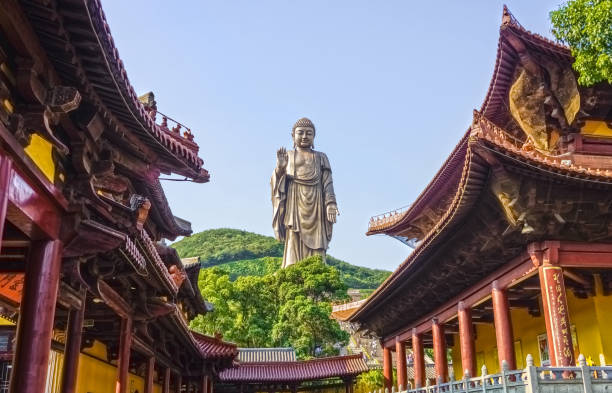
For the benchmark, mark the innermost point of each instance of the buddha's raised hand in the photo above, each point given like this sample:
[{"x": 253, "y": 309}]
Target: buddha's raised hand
[{"x": 282, "y": 158}]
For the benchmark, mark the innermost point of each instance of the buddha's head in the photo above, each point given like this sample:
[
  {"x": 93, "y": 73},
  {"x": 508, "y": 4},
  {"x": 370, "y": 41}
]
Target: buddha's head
[{"x": 303, "y": 133}]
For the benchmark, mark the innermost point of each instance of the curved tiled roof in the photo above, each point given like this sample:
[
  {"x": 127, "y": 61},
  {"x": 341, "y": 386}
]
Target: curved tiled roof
[
  {"x": 259, "y": 355},
  {"x": 170, "y": 225},
  {"x": 450, "y": 170},
  {"x": 78, "y": 42},
  {"x": 486, "y": 131},
  {"x": 308, "y": 370},
  {"x": 215, "y": 348},
  {"x": 495, "y": 102}
]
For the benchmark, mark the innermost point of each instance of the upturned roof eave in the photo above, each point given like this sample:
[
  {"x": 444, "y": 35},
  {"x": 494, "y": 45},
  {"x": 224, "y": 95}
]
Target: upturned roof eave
[
  {"x": 412, "y": 261},
  {"x": 94, "y": 33},
  {"x": 431, "y": 193}
]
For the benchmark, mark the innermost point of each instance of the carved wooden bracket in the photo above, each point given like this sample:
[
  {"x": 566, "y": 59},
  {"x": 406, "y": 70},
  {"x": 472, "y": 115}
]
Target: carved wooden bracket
[
  {"x": 178, "y": 275},
  {"x": 141, "y": 206}
]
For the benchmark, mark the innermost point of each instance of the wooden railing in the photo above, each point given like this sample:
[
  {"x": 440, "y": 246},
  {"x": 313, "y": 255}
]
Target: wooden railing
[
  {"x": 387, "y": 218},
  {"x": 532, "y": 379},
  {"x": 347, "y": 306}
]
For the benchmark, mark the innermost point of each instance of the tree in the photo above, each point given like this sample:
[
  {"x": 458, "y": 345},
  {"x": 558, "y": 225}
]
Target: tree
[
  {"x": 290, "y": 307},
  {"x": 305, "y": 325},
  {"x": 219, "y": 290},
  {"x": 586, "y": 26},
  {"x": 311, "y": 278}
]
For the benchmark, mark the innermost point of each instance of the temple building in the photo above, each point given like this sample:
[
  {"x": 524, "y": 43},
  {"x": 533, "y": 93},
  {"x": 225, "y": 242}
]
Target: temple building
[
  {"x": 513, "y": 236},
  {"x": 278, "y": 370},
  {"x": 91, "y": 298}
]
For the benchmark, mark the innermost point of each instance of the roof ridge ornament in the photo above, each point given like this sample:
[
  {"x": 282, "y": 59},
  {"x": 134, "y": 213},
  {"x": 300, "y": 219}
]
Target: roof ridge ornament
[{"x": 508, "y": 18}]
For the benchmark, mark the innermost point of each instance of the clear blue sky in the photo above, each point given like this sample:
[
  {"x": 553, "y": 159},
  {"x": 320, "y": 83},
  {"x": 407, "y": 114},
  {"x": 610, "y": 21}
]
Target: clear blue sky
[{"x": 390, "y": 86}]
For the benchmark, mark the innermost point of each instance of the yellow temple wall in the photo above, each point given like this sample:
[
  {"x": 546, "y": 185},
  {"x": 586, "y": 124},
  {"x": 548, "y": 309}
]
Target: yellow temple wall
[
  {"x": 591, "y": 318},
  {"x": 97, "y": 375},
  {"x": 41, "y": 152},
  {"x": 596, "y": 128}
]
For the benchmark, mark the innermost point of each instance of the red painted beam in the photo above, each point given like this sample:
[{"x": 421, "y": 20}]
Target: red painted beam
[
  {"x": 114, "y": 300},
  {"x": 27, "y": 206}
]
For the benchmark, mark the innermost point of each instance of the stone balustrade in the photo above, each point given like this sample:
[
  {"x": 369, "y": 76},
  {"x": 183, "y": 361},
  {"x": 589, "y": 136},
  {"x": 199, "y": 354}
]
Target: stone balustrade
[{"x": 580, "y": 379}]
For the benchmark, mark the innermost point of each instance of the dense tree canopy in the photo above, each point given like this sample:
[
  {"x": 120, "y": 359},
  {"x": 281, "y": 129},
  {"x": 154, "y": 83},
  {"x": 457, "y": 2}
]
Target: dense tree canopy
[
  {"x": 290, "y": 307},
  {"x": 586, "y": 26}
]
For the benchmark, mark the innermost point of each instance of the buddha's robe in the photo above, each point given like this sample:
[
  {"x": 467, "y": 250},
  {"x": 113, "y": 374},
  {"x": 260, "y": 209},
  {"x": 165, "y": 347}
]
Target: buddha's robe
[{"x": 300, "y": 197}]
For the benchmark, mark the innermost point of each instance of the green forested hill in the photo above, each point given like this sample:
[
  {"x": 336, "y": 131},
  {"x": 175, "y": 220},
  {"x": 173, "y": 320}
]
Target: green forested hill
[{"x": 249, "y": 254}]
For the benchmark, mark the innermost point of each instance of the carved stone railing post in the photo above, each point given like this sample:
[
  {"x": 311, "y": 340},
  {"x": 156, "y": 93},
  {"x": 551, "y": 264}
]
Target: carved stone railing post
[
  {"x": 602, "y": 363},
  {"x": 585, "y": 370},
  {"x": 532, "y": 376},
  {"x": 483, "y": 379},
  {"x": 504, "y": 373},
  {"x": 466, "y": 380}
]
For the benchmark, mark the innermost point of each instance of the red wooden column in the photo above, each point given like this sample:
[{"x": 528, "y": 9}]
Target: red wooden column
[
  {"x": 439, "y": 349},
  {"x": 387, "y": 368},
  {"x": 123, "y": 363},
  {"x": 166, "y": 384},
  {"x": 204, "y": 382},
  {"x": 178, "y": 383},
  {"x": 72, "y": 348},
  {"x": 348, "y": 386},
  {"x": 503, "y": 326},
  {"x": 402, "y": 370},
  {"x": 466, "y": 339},
  {"x": 556, "y": 315},
  {"x": 418, "y": 352},
  {"x": 149, "y": 375},
  {"x": 6, "y": 166},
  {"x": 36, "y": 313},
  {"x": 210, "y": 385}
]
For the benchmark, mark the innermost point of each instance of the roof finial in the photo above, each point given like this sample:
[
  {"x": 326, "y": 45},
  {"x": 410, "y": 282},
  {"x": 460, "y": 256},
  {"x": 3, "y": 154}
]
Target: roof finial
[
  {"x": 506, "y": 16},
  {"x": 508, "y": 19}
]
